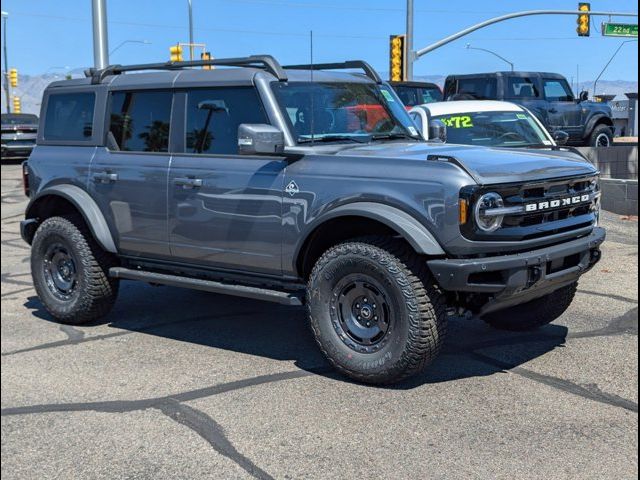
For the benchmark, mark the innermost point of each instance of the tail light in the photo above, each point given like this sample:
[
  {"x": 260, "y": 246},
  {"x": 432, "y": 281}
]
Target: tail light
[{"x": 25, "y": 178}]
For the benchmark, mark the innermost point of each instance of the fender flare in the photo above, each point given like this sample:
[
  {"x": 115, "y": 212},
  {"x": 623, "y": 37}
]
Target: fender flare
[
  {"x": 591, "y": 124},
  {"x": 407, "y": 226},
  {"x": 86, "y": 205}
]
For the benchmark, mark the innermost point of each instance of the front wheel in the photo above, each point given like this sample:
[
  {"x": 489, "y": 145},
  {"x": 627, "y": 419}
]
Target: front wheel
[
  {"x": 375, "y": 313},
  {"x": 70, "y": 271},
  {"x": 601, "y": 136},
  {"x": 533, "y": 314}
]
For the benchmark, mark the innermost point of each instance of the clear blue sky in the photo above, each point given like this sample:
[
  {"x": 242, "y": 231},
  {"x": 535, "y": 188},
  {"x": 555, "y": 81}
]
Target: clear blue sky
[{"x": 45, "y": 35}]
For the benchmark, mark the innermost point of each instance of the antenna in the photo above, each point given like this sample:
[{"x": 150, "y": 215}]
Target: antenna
[{"x": 312, "y": 91}]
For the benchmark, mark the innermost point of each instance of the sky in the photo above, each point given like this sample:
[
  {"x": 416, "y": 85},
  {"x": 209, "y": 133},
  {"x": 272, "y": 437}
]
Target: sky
[{"x": 54, "y": 36}]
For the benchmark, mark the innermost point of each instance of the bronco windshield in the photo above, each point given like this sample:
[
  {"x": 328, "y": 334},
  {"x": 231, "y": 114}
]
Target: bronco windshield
[
  {"x": 343, "y": 112},
  {"x": 495, "y": 129}
]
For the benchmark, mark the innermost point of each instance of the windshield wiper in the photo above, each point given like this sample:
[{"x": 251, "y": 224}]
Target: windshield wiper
[
  {"x": 336, "y": 138},
  {"x": 393, "y": 136}
]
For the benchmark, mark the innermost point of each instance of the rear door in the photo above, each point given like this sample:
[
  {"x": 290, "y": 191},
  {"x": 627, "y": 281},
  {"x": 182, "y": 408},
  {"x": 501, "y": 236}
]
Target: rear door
[
  {"x": 564, "y": 112},
  {"x": 225, "y": 209},
  {"x": 128, "y": 177}
]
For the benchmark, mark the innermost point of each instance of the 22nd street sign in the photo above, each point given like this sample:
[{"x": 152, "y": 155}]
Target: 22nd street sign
[{"x": 620, "y": 30}]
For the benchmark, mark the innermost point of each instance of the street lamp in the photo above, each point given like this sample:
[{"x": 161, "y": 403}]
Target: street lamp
[
  {"x": 5, "y": 15},
  {"x": 121, "y": 44},
  {"x": 190, "y": 31},
  {"x": 595, "y": 82},
  {"x": 469, "y": 47}
]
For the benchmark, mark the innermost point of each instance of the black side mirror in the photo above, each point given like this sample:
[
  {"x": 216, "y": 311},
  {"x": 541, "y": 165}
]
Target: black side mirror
[
  {"x": 584, "y": 96},
  {"x": 437, "y": 131},
  {"x": 259, "y": 139},
  {"x": 561, "y": 138}
]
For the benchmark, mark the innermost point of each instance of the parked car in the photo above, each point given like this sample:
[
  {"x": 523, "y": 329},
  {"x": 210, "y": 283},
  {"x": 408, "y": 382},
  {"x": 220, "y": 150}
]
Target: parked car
[
  {"x": 266, "y": 182},
  {"x": 547, "y": 95},
  {"x": 18, "y": 135},
  {"x": 417, "y": 93},
  {"x": 486, "y": 123}
]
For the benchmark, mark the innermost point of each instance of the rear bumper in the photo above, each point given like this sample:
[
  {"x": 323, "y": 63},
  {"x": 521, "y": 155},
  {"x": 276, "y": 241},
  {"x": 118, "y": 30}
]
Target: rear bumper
[{"x": 513, "y": 279}]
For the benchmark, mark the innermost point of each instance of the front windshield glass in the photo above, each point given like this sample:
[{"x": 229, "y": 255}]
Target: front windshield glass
[
  {"x": 343, "y": 112},
  {"x": 494, "y": 129}
]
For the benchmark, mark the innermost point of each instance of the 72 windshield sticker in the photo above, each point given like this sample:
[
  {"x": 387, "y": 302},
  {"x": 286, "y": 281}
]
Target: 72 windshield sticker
[{"x": 458, "y": 121}]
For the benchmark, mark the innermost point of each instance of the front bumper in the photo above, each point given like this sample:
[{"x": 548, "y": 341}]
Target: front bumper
[
  {"x": 10, "y": 150},
  {"x": 513, "y": 279}
]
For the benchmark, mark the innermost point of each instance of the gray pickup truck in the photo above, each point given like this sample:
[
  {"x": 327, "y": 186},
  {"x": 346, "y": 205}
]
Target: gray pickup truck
[{"x": 304, "y": 186}]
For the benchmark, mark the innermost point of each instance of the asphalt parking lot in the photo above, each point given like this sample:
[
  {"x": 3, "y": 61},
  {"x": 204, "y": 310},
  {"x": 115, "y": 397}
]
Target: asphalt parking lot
[{"x": 184, "y": 384}]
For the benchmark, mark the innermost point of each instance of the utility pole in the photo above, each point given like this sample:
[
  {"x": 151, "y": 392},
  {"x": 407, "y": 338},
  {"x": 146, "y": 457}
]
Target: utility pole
[
  {"x": 5, "y": 15},
  {"x": 190, "y": 31},
  {"x": 100, "y": 34},
  {"x": 409, "y": 39}
]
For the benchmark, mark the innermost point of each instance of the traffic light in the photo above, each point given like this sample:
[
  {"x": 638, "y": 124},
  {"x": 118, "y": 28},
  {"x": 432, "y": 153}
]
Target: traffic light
[
  {"x": 16, "y": 105},
  {"x": 397, "y": 57},
  {"x": 13, "y": 77},
  {"x": 584, "y": 20},
  {"x": 206, "y": 56},
  {"x": 175, "y": 52}
]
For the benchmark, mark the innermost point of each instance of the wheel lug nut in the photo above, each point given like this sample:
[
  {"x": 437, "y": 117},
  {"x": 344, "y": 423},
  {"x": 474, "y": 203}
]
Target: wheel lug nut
[{"x": 357, "y": 305}]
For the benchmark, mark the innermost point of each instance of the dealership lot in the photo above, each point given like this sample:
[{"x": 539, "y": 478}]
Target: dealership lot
[{"x": 184, "y": 384}]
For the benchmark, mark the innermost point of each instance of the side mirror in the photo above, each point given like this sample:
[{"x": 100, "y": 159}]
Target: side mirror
[
  {"x": 584, "y": 96},
  {"x": 437, "y": 131},
  {"x": 561, "y": 138},
  {"x": 257, "y": 139}
]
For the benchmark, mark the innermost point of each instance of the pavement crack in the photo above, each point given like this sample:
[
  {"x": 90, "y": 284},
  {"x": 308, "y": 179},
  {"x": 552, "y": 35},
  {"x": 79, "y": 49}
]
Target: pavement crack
[
  {"x": 14, "y": 292},
  {"x": 212, "y": 432},
  {"x": 609, "y": 295},
  {"x": 624, "y": 324},
  {"x": 590, "y": 392}
]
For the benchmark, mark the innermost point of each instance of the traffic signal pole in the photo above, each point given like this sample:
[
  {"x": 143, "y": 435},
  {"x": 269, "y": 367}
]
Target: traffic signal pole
[
  {"x": 409, "y": 41},
  {"x": 6, "y": 63},
  {"x": 430, "y": 48},
  {"x": 100, "y": 34}
]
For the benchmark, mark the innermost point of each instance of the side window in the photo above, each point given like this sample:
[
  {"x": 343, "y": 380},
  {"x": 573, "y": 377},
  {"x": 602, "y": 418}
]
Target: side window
[
  {"x": 521, "y": 88},
  {"x": 213, "y": 117},
  {"x": 479, "y": 88},
  {"x": 140, "y": 121},
  {"x": 557, "y": 91},
  {"x": 69, "y": 117}
]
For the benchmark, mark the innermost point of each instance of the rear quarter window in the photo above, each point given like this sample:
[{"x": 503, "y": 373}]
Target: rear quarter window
[{"x": 69, "y": 117}]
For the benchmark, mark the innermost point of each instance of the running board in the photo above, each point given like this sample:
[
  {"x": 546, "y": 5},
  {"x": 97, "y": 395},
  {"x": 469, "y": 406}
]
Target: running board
[{"x": 256, "y": 293}]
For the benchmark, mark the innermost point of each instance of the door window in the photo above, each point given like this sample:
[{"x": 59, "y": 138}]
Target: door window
[
  {"x": 557, "y": 91},
  {"x": 140, "y": 121},
  {"x": 69, "y": 117},
  {"x": 213, "y": 117},
  {"x": 522, "y": 88}
]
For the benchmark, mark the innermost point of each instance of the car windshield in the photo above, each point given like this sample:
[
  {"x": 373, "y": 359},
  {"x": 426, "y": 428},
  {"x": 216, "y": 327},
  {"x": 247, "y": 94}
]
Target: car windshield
[
  {"x": 19, "y": 119},
  {"x": 343, "y": 112},
  {"x": 494, "y": 129}
]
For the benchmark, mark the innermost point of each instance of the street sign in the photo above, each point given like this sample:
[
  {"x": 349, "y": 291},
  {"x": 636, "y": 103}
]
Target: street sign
[{"x": 619, "y": 30}]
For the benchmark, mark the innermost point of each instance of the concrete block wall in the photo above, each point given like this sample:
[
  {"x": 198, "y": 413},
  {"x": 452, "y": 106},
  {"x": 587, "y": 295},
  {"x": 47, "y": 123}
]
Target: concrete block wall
[{"x": 619, "y": 196}]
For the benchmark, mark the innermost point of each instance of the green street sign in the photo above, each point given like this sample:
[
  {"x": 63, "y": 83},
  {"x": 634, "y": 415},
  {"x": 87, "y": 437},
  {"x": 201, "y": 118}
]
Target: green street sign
[{"x": 619, "y": 30}]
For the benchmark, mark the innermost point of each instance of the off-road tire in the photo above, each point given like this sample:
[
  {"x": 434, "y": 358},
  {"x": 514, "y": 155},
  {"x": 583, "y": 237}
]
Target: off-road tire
[
  {"x": 598, "y": 134},
  {"x": 95, "y": 292},
  {"x": 533, "y": 314},
  {"x": 417, "y": 327}
]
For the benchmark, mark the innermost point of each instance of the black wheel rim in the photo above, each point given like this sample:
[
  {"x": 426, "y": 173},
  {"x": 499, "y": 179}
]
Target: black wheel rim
[
  {"x": 602, "y": 140},
  {"x": 361, "y": 313},
  {"x": 59, "y": 270}
]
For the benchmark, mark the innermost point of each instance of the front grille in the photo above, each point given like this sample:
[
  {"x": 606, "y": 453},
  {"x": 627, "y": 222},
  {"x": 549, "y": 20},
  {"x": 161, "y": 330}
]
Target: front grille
[{"x": 546, "y": 209}]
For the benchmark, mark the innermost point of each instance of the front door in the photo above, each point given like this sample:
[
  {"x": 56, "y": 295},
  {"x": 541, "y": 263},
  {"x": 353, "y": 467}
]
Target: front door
[
  {"x": 564, "y": 112},
  {"x": 128, "y": 178},
  {"x": 225, "y": 209}
]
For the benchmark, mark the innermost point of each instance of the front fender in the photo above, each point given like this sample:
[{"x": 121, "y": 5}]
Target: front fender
[
  {"x": 595, "y": 119},
  {"x": 87, "y": 207}
]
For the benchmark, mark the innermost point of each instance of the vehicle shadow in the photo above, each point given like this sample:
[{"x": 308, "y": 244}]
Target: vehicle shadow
[{"x": 277, "y": 332}]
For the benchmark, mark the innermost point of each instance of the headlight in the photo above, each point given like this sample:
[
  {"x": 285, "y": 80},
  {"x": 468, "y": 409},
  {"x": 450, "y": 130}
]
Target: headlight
[{"x": 487, "y": 212}]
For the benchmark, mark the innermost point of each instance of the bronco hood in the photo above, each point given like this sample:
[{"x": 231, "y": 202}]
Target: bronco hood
[{"x": 487, "y": 166}]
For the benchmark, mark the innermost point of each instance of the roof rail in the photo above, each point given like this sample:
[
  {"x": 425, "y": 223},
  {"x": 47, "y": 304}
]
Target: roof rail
[
  {"x": 368, "y": 69},
  {"x": 266, "y": 62}
]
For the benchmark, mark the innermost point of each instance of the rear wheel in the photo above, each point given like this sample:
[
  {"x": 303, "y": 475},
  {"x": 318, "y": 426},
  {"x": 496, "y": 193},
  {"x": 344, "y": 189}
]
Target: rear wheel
[
  {"x": 533, "y": 314},
  {"x": 70, "y": 271},
  {"x": 374, "y": 310},
  {"x": 601, "y": 136}
]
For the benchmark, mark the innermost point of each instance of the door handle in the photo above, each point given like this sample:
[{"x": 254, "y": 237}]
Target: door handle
[
  {"x": 105, "y": 177},
  {"x": 186, "y": 182}
]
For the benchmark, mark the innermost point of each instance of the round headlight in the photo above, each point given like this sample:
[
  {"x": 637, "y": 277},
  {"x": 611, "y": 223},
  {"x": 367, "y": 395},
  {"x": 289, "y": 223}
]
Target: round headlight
[{"x": 488, "y": 221}]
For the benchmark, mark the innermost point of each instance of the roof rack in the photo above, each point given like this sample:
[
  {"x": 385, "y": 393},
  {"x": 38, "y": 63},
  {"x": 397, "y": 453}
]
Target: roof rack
[
  {"x": 368, "y": 69},
  {"x": 266, "y": 62}
]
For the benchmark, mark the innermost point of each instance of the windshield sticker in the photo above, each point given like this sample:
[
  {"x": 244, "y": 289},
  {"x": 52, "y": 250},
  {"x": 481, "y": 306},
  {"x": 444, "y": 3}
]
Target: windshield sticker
[
  {"x": 521, "y": 116},
  {"x": 387, "y": 95},
  {"x": 412, "y": 131},
  {"x": 547, "y": 142},
  {"x": 463, "y": 121}
]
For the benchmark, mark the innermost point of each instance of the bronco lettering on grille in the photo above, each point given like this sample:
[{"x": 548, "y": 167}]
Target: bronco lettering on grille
[{"x": 557, "y": 203}]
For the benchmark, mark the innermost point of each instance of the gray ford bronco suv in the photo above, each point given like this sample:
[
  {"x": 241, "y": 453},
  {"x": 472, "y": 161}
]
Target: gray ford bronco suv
[{"x": 302, "y": 185}]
